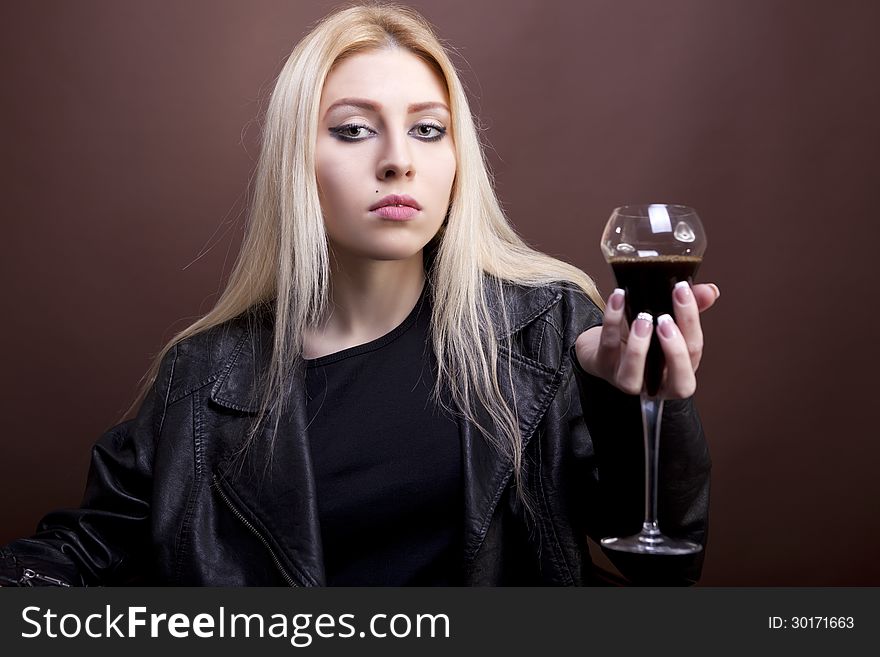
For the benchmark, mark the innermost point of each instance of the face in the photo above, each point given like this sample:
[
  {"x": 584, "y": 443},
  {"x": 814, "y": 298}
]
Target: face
[{"x": 383, "y": 129}]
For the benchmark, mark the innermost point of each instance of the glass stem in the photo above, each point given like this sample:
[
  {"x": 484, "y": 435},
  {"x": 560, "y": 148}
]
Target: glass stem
[{"x": 652, "y": 411}]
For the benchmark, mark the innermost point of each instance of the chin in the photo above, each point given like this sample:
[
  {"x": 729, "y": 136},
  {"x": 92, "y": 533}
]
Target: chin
[
  {"x": 383, "y": 251},
  {"x": 392, "y": 254},
  {"x": 389, "y": 247}
]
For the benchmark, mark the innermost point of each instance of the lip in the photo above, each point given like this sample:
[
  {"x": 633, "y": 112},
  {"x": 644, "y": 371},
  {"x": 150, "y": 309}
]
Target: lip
[
  {"x": 396, "y": 212},
  {"x": 396, "y": 199}
]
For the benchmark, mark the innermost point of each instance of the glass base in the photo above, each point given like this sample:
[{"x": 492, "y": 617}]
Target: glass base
[{"x": 651, "y": 541}]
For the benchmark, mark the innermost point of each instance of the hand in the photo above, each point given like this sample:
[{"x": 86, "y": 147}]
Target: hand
[{"x": 617, "y": 353}]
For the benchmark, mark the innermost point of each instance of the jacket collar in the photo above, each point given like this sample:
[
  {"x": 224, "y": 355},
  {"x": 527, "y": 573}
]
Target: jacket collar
[
  {"x": 280, "y": 498},
  {"x": 235, "y": 384}
]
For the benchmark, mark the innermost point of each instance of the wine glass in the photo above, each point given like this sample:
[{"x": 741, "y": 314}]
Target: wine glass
[{"x": 651, "y": 248}]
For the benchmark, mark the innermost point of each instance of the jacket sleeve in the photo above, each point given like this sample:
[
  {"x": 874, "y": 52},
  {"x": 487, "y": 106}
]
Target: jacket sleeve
[
  {"x": 616, "y": 455},
  {"x": 107, "y": 539}
]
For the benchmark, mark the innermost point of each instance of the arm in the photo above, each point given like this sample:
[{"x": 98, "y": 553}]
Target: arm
[
  {"x": 613, "y": 420},
  {"x": 608, "y": 362},
  {"x": 107, "y": 539}
]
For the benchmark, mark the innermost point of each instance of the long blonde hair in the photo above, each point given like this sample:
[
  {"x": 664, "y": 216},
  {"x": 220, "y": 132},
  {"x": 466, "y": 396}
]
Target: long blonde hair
[{"x": 284, "y": 255}]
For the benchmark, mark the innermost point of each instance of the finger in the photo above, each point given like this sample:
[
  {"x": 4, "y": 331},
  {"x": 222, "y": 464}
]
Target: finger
[
  {"x": 631, "y": 367},
  {"x": 680, "y": 379},
  {"x": 613, "y": 332},
  {"x": 613, "y": 320},
  {"x": 706, "y": 295},
  {"x": 687, "y": 317}
]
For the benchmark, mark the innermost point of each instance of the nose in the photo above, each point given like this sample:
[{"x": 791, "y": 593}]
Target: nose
[{"x": 395, "y": 159}]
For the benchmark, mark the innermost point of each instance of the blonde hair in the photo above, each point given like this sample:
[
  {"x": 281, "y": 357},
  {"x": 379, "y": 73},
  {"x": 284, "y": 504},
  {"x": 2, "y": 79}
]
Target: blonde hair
[{"x": 284, "y": 255}]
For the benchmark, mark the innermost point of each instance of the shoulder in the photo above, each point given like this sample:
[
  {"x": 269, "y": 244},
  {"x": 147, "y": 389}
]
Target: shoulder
[
  {"x": 203, "y": 358},
  {"x": 578, "y": 309},
  {"x": 562, "y": 304},
  {"x": 544, "y": 321}
]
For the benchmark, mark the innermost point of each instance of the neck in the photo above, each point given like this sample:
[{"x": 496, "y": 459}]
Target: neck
[{"x": 368, "y": 298}]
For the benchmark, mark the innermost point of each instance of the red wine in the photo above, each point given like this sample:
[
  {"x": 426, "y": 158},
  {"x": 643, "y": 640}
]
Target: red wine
[{"x": 648, "y": 284}]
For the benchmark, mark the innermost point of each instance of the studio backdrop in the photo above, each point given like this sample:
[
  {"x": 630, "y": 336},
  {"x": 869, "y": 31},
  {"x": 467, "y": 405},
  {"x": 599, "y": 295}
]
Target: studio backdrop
[{"x": 131, "y": 132}]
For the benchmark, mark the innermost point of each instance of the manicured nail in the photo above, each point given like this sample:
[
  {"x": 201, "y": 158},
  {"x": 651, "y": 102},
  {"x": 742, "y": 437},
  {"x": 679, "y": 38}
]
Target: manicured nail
[
  {"x": 717, "y": 291},
  {"x": 682, "y": 292},
  {"x": 642, "y": 325},
  {"x": 616, "y": 300},
  {"x": 666, "y": 326}
]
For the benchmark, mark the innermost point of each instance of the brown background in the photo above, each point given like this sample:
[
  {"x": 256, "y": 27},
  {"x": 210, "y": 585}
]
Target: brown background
[{"x": 130, "y": 131}]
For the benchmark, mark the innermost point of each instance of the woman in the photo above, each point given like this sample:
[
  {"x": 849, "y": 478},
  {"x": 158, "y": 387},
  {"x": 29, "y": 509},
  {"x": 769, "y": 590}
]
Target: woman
[{"x": 393, "y": 388}]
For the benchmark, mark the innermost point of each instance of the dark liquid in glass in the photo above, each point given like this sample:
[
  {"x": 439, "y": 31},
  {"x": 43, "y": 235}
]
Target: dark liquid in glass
[{"x": 648, "y": 284}]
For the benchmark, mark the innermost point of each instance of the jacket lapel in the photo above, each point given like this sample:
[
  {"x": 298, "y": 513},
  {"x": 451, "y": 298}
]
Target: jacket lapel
[
  {"x": 533, "y": 387},
  {"x": 276, "y": 495}
]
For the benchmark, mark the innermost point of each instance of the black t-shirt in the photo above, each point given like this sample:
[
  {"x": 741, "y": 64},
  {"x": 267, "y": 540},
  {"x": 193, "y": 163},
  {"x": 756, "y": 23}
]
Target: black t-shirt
[{"x": 387, "y": 462}]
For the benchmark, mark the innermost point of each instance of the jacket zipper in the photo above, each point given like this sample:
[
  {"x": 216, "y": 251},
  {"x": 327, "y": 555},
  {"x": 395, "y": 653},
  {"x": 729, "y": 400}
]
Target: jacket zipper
[
  {"x": 287, "y": 578},
  {"x": 29, "y": 575}
]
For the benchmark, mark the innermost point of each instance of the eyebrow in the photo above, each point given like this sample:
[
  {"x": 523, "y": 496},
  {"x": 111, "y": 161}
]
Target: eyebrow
[{"x": 363, "y": 103}]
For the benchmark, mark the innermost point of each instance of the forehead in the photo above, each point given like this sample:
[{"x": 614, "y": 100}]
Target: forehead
[{"x": 388, "y": 76}]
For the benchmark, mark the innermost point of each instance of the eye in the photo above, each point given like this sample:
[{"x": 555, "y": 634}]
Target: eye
[
  {"x": 439, "y": 129},
  {"x": 350, "y": 131}
]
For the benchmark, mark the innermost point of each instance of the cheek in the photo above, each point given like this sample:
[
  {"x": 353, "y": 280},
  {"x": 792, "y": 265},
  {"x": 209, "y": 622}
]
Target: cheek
[
  {"x": 443, "y": 172},
  {"x": 329, "y": 183},
  {"x": 335, "y": 172}
]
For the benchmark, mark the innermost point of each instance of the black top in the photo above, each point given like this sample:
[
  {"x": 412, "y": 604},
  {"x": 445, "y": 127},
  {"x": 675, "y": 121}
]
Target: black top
[{"x": 387, "y": 462}]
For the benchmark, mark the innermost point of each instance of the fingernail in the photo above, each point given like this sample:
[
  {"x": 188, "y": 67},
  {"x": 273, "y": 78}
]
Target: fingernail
[
  {"x": 717, "y": 291},
  {"x": 642, "y": 325},
  {"x": 616, "y": 300},
  {"x": 666, "y": 326},
  {"x": 682, "y": 292}
]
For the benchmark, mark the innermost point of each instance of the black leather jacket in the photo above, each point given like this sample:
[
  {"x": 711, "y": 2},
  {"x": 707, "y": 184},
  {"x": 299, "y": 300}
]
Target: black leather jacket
[{"x": 162, "y": 506}]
